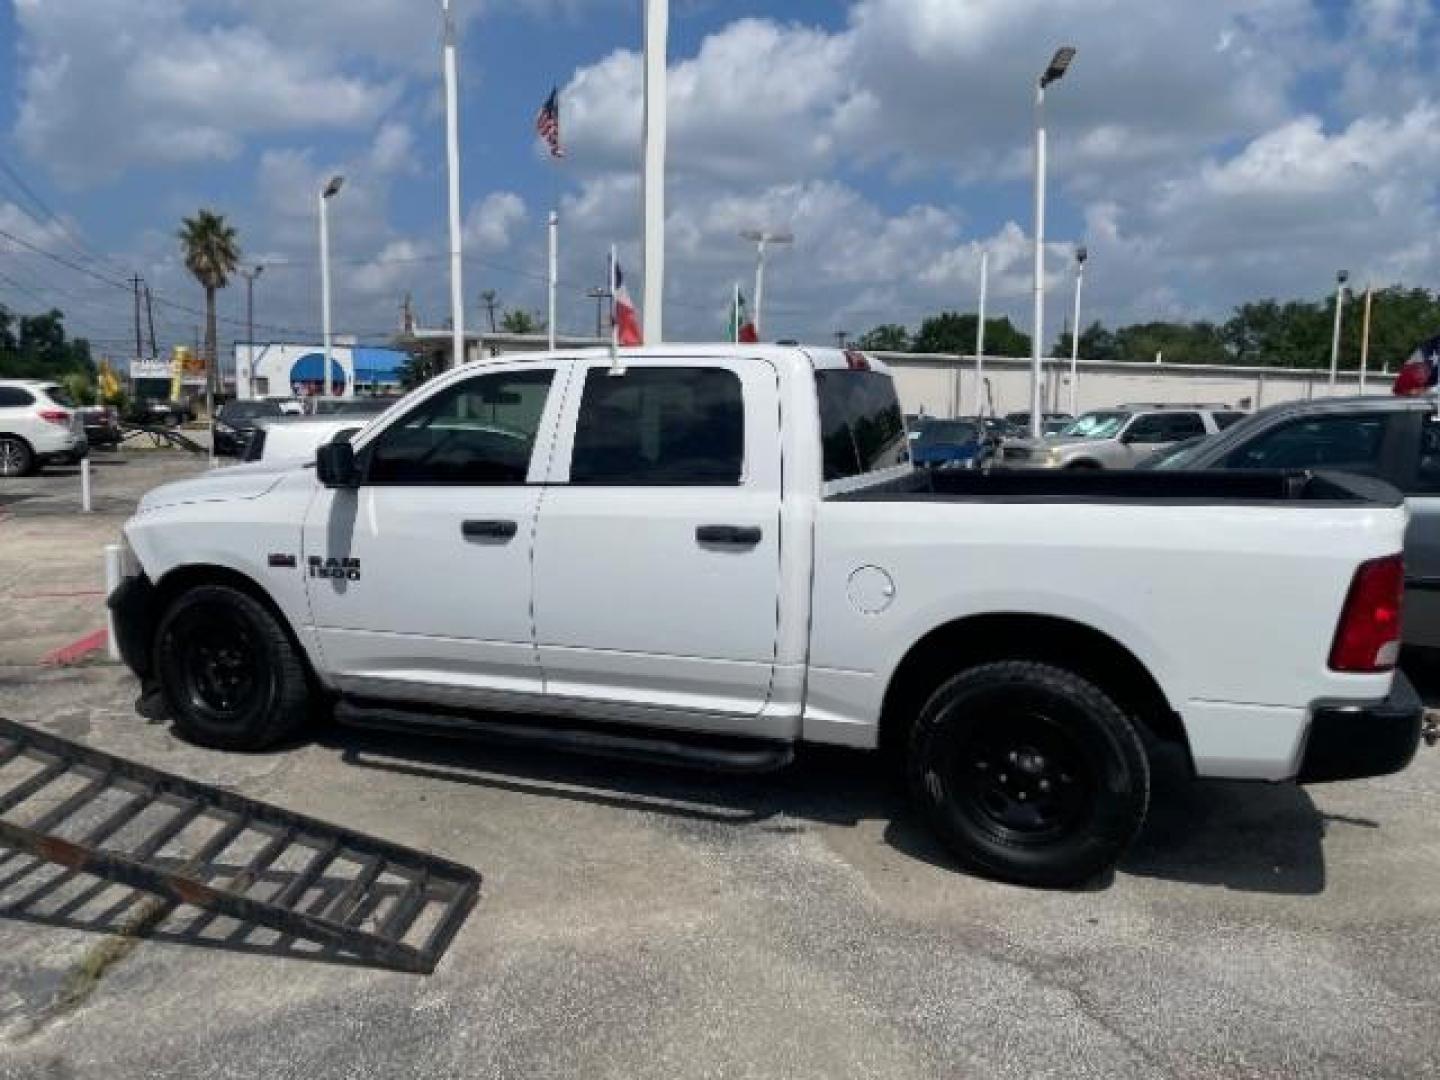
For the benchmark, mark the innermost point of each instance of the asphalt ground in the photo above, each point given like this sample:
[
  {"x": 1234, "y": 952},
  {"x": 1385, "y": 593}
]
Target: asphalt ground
[{"x": 643, "y": 922}]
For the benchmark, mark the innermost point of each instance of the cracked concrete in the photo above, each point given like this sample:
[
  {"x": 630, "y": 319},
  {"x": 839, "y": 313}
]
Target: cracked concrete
[{"x": 639, "y": 922}]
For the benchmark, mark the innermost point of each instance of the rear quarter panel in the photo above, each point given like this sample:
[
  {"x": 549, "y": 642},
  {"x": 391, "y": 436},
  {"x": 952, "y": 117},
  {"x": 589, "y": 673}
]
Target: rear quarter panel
[{"x": 1222, "y": 603}]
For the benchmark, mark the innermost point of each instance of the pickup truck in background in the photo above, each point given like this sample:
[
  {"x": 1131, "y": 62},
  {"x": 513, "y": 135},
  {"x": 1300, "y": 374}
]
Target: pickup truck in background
[
  {"x": 1395, "y": 439},
  {"x": 714, "y": 554}
]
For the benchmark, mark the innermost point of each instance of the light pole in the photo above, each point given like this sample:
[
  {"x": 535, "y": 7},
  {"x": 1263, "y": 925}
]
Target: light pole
[
  {"x": 1340, "y": 279},
  {"x": 657, "y": 37},
  {"x": 980, "y": 337},
  {"x": 763, "y": 238},
  {"x": 1080, "y": 256},
  {"x": 1058, "y": 63},
  {"x": 250, "y": 276},
  {"x": 1365, "y": 337},
  {"x": 326, "y": 194}
]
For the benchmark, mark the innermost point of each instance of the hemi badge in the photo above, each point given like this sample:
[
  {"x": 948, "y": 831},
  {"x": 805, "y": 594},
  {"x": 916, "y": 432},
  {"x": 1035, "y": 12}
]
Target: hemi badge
[{"x": 286, "y": 562}]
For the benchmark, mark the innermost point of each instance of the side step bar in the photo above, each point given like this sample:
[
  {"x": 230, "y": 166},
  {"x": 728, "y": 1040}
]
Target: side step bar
[{"x": 708, "y": 753}]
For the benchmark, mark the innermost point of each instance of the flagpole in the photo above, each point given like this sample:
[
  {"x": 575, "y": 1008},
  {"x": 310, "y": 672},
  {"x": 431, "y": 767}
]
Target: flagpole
[
  {"x": 1365, "y": 338},
  {"x": 657, "y": 31},
  {"x": 554, "y": 270},
  {"x": 452, "y": 157},
  {"x": 735, "y": 316},
  {"x": 616, "y": 367},
  {"x": 980, "y": 337}
]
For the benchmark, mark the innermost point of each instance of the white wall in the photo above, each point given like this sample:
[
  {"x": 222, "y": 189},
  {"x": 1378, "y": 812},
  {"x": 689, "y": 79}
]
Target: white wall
[{"x": 932, "y": 383}]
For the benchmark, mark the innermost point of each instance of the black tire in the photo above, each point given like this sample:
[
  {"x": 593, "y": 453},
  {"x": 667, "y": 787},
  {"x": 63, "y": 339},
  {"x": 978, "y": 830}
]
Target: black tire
[
  {"x": 1029, "y": 773},
  {"x": 16, "y": 457},
  {"x": 228, "y": 673}
]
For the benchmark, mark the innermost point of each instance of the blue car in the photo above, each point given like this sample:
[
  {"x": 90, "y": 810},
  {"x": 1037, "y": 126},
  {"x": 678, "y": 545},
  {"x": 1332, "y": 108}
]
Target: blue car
[{"x": 949, "y": 444}]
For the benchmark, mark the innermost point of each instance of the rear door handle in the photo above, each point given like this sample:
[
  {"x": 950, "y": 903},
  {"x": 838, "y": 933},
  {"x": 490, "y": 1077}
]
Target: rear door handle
[
  {"x": 729, "y": 535},
  {"x": 489, "y": 530}
]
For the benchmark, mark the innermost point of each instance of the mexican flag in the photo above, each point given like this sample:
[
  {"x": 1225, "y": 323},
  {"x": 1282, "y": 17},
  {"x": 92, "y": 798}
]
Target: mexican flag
[{"x": 742, "y": 327}]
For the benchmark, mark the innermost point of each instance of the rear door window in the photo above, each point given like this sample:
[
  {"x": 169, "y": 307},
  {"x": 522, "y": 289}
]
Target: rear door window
[
  {"x": 1224, "y": 420},
  {"x": 1427, "y": 465},
  {"x": 1350, "y": 443},
  {"x": 12, "y": 397},
  {"x": 680, "y": 426},
  {"x": 862, "y": 429}
]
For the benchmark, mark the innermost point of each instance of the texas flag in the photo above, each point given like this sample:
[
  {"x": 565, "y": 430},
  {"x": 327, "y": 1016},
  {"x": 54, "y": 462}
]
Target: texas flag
[
  {"x": 1421, "y": 372},
  {"x": 626, "y": 318}
]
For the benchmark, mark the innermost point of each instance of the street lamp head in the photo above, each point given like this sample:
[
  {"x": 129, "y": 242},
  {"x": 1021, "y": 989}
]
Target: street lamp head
[
  {"x": 1342, "y": 277},
  {"x": 766, "y": 236},
  {"x": 333, "y": 187},
  {"x": 1058, "y": 63},
  {"x": 1081, "y": 254}
]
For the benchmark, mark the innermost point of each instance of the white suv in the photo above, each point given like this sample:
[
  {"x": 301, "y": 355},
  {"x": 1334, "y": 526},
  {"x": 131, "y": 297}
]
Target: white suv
[{"x": 39, "y": 424}]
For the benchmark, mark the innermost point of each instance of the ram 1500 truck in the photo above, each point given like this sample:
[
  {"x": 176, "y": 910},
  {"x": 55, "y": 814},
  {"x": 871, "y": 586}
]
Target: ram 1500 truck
[{"x": 712, "y": 554}]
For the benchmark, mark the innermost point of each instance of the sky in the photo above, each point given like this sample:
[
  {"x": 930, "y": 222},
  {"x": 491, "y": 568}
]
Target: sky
[{"x": 1205, "y": 154}]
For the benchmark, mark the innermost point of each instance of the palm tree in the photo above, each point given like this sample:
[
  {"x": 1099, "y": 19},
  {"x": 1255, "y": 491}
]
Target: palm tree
[{"x": 211, "y": 255}]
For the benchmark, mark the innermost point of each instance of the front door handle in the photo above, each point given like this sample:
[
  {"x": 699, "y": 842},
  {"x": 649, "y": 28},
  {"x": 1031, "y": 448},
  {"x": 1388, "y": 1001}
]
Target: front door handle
[
  {"x": 729, "y": 535},
  {"x": 489, "y": 530}
]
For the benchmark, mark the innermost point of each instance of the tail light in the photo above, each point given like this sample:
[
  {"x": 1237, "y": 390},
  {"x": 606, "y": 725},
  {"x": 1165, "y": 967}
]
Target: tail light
[
  {"x": 1368, "y": 637},
  {"x": 55, "y": 416}
]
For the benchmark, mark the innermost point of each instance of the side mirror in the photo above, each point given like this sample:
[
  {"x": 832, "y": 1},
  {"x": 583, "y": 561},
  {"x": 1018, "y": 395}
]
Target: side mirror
[{"x": 335, "y": 465}]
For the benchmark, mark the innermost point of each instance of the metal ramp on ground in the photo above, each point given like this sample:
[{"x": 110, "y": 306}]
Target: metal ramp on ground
[{"x": 194, "y": 844}]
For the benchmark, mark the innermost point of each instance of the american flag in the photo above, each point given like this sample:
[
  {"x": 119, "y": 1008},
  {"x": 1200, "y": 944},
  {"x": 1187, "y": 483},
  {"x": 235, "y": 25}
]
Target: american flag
[{"x": 547, "y": 123}]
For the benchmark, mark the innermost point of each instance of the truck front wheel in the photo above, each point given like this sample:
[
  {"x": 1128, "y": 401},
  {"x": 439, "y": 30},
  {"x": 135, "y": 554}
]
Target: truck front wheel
[
  {"x": 229, "y": 675},
  {"x": 1029, "y": 773}
]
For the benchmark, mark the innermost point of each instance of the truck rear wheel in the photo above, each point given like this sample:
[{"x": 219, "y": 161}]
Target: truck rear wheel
[
  {"x": 229, "y": 675},
  {"x": 1029, "y": 773}
]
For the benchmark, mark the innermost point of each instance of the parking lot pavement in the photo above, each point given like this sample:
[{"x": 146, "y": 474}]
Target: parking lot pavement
[
  {"x": 640, "y": 922},
  {"x": 51, "y": 555}
]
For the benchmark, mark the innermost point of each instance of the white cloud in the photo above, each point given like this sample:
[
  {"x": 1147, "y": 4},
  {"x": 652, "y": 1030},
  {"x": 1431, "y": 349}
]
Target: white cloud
[{"x": 491, "y": 224}]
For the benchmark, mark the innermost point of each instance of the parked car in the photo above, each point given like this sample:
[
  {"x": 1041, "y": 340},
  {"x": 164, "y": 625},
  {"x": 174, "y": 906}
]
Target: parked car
[
  {"x": 39, "y": 425},
  {"x": 1118, "y": 438},
  {"x": 1396, "y": 439},
  {"x": 235, "y": 424},
  {"x": 165, "y": 413},
  {"x": 102, "y": 426},
  {"x": 1018, "y": 423},
  {"x": 295, "y": 438},
  {"x": 950, "y": 444},
  {"x": 355, "y": 406},
  {"x": 711, "y": 554}
]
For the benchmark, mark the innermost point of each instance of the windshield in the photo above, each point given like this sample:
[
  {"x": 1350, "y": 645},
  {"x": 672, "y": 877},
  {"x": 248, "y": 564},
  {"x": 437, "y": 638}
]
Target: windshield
[
  {"x": 1180, "y": 455},
  {"x": 948, "y": 431},
  {"x": 1097, "y": 425}
]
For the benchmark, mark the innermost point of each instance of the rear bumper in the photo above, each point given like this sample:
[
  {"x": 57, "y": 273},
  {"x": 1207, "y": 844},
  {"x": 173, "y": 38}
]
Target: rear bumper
[{"x": 1348, "y": 742}]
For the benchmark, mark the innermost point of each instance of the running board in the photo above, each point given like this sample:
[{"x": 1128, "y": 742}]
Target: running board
[{"x": 709, "y": 753}]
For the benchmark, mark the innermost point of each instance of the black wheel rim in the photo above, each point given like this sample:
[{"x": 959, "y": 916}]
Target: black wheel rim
[
  {"x": 223, "y": 674},
  {"x": 1025, "y": 778},
  {"x": 12, "y": 458}
]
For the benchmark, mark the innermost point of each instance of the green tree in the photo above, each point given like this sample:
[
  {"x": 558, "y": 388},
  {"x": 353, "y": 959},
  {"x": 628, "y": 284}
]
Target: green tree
[
  {"x": 887, "y": 337},
  {"x": 519, "y": 321},
  {"x": 36, "y": 347},
  {"x": 419, "y": 368},
  {"x": 211, "y": 255},
  {"x": 951, "y": 332}
]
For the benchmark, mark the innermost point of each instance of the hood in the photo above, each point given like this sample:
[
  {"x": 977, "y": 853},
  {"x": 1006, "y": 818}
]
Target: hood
[
  {"x": 221, "y": 485},
  {"x": 1050, "y": 442},
  {"x": 942, "y": 451}
]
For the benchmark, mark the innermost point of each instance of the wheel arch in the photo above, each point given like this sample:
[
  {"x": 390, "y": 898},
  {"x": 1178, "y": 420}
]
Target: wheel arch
[
  {"x": 978, "y": 639},
  {"x": 193, "y": 575}
]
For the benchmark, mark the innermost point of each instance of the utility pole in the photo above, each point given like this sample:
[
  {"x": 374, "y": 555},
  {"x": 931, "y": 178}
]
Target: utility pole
[
  {"x": 250, "y": 276},
  {"x": 139, "y": 342},
  {"x": 599, "y": 295},
  {"x": 150, "y": 316},
  {"x": 657, "y": 34},
  {"x": 488, "y": 298}
]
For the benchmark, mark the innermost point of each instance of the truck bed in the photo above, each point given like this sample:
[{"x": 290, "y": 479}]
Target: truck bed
[{"x": 1131, "y": 485}]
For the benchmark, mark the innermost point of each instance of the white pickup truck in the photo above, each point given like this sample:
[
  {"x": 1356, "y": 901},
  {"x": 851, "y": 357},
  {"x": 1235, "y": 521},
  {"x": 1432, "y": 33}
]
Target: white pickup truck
[{"x": 711, "y": 554}]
